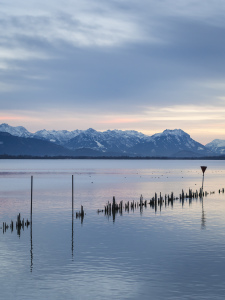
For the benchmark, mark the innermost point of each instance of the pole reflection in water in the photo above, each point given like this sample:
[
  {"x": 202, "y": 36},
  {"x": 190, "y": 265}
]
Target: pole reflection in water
[
  {"x": 31, "y": 212},
  {"x": 72, "y": 214},
  {"x": 154, "y": 205},
  {"x": 72, "y": 232},
  {"x": 114, "y": 216},
  {"x": 203, "y": 223},
  {"x": 31, "y": 249}
]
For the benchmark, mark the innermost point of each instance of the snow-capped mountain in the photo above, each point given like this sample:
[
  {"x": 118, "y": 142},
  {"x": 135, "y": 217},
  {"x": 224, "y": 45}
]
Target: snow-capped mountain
[
  {"x": 217, "y": 146},
  {"x": 169, "y": 143},
  {"x": 111, "y": 140},
  {"x": 56, "y": 136},
  {"x": 16, "y": 131}
]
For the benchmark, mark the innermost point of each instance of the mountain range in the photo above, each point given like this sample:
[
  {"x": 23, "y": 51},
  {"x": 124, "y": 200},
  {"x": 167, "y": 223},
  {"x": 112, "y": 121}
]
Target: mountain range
[{"x": 169, "y": 143}]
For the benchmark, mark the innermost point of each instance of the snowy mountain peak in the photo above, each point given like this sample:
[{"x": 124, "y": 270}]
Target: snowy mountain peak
[
  {"x": 217, "y": 146},
  {"x": 178, "y": 132},
  {"x": 175, "y": 132},
  {"x": 90, "y": 131},
  {"x": 216, "y": 143},
  {"x": 17, "y": 131},
  {"x": 43, "y": 131},
  {"x": 57, "y": 136}
]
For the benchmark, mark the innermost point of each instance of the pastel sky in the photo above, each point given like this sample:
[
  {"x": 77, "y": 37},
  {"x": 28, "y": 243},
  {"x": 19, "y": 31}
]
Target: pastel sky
[{"x": 142, "y": 65}]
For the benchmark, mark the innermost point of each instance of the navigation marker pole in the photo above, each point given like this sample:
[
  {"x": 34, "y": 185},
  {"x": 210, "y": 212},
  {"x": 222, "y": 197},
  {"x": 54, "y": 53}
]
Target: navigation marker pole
[{"x": 203, "y": 171}]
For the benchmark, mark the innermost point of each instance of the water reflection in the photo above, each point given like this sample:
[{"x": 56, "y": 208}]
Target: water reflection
[
  {"x": 114, "y": 209},
  {"x": 31, "y": 249},
  {"x": 156, "y": 249},
  {"x": 72, "y": 233},
  {"x": 72, "y": 212},
  {"x": 203, "y": 219},
  {"x": 126, "y": 208},
  {"x": 20, "y": 225}
]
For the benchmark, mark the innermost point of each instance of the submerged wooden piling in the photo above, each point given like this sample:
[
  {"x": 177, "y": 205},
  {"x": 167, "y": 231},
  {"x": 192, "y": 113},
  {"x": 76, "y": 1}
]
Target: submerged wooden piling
[
  {"x": 80, "y": 214},
  {"x": 20, "y": 223},
  {"x": 155, "y": 201}
]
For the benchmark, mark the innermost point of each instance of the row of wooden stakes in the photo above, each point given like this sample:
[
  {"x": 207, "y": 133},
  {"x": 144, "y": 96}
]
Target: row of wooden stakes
[
  {"x": 19, "y": 224},
  {"x": 118, "y": 207}
]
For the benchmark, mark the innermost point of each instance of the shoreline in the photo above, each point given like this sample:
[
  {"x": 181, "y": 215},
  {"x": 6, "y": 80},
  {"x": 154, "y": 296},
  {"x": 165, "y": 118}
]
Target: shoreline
[{"x": 4, "y": 156}]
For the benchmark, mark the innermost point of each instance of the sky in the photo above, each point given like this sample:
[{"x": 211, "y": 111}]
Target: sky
[{"x": 130, "y": 65}]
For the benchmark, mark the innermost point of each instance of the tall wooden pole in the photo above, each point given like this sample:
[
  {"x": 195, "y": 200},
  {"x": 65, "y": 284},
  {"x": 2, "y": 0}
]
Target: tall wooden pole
[
  {"x": 72, "y": 214},
  {"x": 31, "y": 240},
  {"x": 202, "y": 181},
  {"x": 72, "y": 193},
  {"x": 31, "y": 199}
]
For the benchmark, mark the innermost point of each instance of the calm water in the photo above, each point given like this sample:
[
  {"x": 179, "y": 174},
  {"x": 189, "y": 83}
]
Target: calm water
[{"x": 177, "y": 252}]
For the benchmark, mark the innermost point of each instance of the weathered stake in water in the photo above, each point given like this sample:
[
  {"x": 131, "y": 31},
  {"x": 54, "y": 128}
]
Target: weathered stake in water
[{"x": 113, "y": 208}]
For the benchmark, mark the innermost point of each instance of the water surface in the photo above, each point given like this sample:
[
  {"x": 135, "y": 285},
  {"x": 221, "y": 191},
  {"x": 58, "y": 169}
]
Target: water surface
[{"x": 173, "y": 252}]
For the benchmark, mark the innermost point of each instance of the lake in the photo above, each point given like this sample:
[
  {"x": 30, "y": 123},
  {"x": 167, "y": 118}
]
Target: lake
[{"x": 173, "y": 251}]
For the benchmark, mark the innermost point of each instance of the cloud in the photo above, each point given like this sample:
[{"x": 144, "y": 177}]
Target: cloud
[
  {"x": 117, "y": 58},
  {"x": 80, "y": 25}
]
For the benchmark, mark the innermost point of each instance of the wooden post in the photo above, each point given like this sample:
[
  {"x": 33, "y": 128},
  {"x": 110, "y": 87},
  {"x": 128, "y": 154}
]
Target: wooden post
[
  {"x": 72, "y": 217},
  {"x": 72, "y": 194},
  {"x": 114, "y": 203},
  {"x": 182, "y": 194},
  {"x": 19, "y": 221},
  {"x": 31, "y": 199}
]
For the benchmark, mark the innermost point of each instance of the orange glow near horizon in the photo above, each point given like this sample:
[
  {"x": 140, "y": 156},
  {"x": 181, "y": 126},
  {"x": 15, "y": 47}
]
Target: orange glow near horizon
[
  {"x": 203, "y": 124},
  {"x": 7, "y": 118}
]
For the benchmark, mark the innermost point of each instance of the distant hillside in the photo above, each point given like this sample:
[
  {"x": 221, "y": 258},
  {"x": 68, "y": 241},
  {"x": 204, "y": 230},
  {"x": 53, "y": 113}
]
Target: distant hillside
[{"x": 14, "y": 145}]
